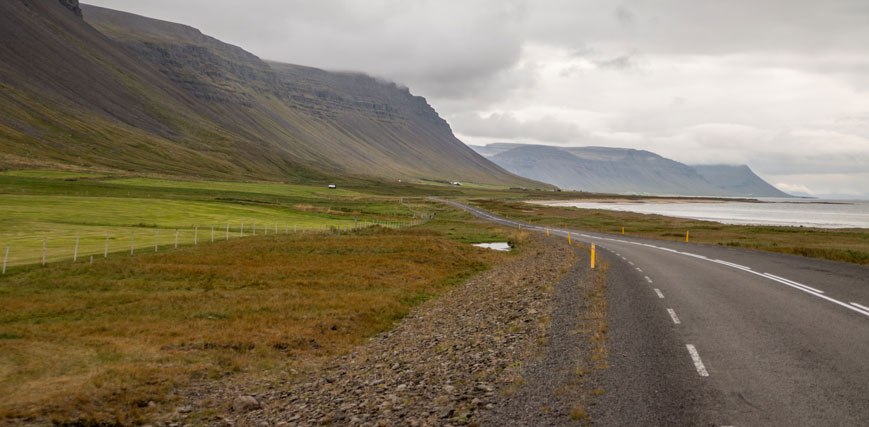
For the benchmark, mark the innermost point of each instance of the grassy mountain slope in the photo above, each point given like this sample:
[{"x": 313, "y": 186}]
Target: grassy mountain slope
[{"x": 123, "y": 92}]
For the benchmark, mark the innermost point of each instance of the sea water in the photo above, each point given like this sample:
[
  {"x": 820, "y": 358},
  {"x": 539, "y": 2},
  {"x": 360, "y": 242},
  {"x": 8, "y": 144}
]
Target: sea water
[{"x": 788, "y": 212}]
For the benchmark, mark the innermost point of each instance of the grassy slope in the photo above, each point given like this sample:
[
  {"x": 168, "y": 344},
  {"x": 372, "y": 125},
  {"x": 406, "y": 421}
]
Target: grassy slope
[
  {"x": 145, "y": 96},
  {"x": 98, "y": 342},
  {"x": 847, "y": 245}
]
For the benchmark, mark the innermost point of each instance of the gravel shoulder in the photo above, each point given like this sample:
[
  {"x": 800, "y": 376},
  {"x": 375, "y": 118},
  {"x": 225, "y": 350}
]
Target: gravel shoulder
[{"x": 454, "y": 361}]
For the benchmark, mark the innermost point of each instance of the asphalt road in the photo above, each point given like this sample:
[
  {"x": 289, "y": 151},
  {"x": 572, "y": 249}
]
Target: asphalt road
[{"x": 710, "y": 335}]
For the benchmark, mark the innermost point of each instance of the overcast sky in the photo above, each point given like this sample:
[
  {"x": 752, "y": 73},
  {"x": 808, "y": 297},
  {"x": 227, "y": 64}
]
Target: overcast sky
[{"x": 781, "y": 85}]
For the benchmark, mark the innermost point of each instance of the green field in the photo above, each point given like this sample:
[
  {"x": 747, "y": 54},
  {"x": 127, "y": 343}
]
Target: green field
[{"x": 46, "y": 209}]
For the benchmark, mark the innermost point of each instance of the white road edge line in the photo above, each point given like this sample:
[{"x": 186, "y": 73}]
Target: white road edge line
[
  {"x": 697, "y": 362},
  {"x": 816, "y": 292},
  {"x": 794, "y": 283},
  {"x": 660, "y": 295},
  {"x": 673, "y": 316},
  {"x": 860, "y": 306}
]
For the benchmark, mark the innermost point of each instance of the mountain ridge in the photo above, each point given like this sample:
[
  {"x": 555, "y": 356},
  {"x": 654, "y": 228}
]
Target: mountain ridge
[
  {"x": 625, "y": 171},
  {"x": 121, "y": 91}
]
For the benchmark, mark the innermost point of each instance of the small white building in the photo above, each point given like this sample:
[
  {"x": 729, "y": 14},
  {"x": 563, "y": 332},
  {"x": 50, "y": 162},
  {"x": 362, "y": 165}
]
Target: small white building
[
  {"x": 456, "y": 183},
  {"x": 332, "y": 186}
]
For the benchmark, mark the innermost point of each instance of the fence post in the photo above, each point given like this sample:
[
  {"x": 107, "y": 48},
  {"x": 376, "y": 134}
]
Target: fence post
[
  {"x": 5, "y": 258},
  {"x": 176, "y": 238},
  {"x": 195, "y": 235},
  {"x": 242, "y": 230},
  {"x": 355, "y": 222},
  {"x": 106, "y": 251},
  {"x": 132, "y": 242},
  {"x": 266, "y": 228},
  {"x": 276, "y": 227},
  {"x": 212, "y": 233},
  {"x": 44, "y": 244},
  {"x": 227, "y": 231},
  {"x": 254, "y": 228},
  {"x": 294, "y": 227},
  {"x": 156, "y": 239},
  {"x": 75, "y": 252}
]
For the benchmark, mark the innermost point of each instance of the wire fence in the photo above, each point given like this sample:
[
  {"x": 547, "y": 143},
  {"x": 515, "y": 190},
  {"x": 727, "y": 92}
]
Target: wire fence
[{"x": 87, "y": 245}]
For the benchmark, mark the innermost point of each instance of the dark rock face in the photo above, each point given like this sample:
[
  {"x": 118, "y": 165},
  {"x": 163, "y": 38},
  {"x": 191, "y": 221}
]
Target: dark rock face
[{"x": 73, "y": 6}]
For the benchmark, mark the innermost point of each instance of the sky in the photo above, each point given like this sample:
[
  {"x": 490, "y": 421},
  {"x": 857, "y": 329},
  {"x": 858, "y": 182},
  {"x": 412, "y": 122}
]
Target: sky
[{"x": 780, "y": 85}]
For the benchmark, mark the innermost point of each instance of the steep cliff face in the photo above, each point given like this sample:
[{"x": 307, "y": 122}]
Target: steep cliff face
[
  {"x": 340, "y": 122},
  {"x": 624, "y": 171},
  {"x": 123, "y": 91},
  {"x": 73, "y": 6},
  {"x": 739, "y": 179}
]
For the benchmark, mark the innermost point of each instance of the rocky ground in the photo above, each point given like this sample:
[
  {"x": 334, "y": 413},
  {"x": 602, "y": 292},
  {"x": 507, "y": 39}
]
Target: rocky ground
[{"x": 481, "y": 354}]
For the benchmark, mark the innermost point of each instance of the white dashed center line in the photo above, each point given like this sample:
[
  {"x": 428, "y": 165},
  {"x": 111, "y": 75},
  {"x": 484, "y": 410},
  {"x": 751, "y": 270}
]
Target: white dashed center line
[
  {"x": 631, "y": 262},
  {"x": 697, "y": 362},
  {"x": 639, "y": 269},
  {"x": 673, "y": 316},
  {"x": 648, "y": 279},
  {"x": 660, "y": 295}
]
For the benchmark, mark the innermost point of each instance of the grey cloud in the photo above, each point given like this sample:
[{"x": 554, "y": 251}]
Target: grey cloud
[{"x": 508, "y": 126}]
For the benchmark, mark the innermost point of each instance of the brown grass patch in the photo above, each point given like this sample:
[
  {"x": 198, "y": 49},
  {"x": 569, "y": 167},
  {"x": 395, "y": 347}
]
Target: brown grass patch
[{"x": 98, "y": 343}]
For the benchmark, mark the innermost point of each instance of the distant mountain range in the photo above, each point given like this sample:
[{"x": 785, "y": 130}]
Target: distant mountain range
[
  {"x": 625, "y": 171},
  {"x": 93, "y": 87}
]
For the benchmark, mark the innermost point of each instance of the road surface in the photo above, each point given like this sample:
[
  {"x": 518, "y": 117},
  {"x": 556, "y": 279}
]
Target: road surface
[{"x": 711, "y": 335}]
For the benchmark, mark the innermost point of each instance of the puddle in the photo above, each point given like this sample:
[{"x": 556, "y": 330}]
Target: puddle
[{"x": 498, "y": 246}]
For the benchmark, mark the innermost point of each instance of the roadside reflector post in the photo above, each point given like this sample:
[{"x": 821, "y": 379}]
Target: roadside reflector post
[
  {"x": 176, "y": 238},
  {"x": 156, "y": 239},
  {"x": 355, "y": 222},
  {"x": 686, "y": 236},
  {"x": 132, "y": 242},
  {"x": 241, "y": 233},
  {"x": 520, "y": 226},
  {"x": 547, "y": 232},
  {"x": 195, "y": 235},
  {"x": 623, "y": 231},
  {"x": 568, "y": 239},
  {"x": 592, "y": 256},
  {"x": 5, "y": 259},
  {"x": 92, "y": 260},
  {"x": 75, "y": 252},
  {"x": 106, "y": 252},
  {"x": 44, "y": 245},
  {"x": 212, "y": 233},
  {"x": 227, "y": 231}
]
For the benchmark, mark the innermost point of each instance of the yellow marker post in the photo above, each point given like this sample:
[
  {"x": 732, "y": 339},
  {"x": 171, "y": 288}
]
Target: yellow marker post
[
  {"x": 568, "y": 238},
  {"x": 547, "y": 232},
  {"x": 686, "y": 236},
  {"x": 592, "y": 256},
  {"x": 623, "y": 231},
  {"x": 520, "y": 226}
]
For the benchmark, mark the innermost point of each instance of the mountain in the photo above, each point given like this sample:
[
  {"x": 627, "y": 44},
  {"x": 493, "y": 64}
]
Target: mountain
[
  {"x": 624, "y": 171},
  {"x": 739, "y": 180},
  {"x": 93, "y": 87}
]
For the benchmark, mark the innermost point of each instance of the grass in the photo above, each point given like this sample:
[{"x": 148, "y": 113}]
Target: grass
[
  {"x": 846, "y": 245},
  {"x": 96, "y": 343}
]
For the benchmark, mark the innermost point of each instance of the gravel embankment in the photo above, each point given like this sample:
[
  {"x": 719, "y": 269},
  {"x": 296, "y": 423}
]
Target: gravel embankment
[{"x": 450, "y": 360}]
